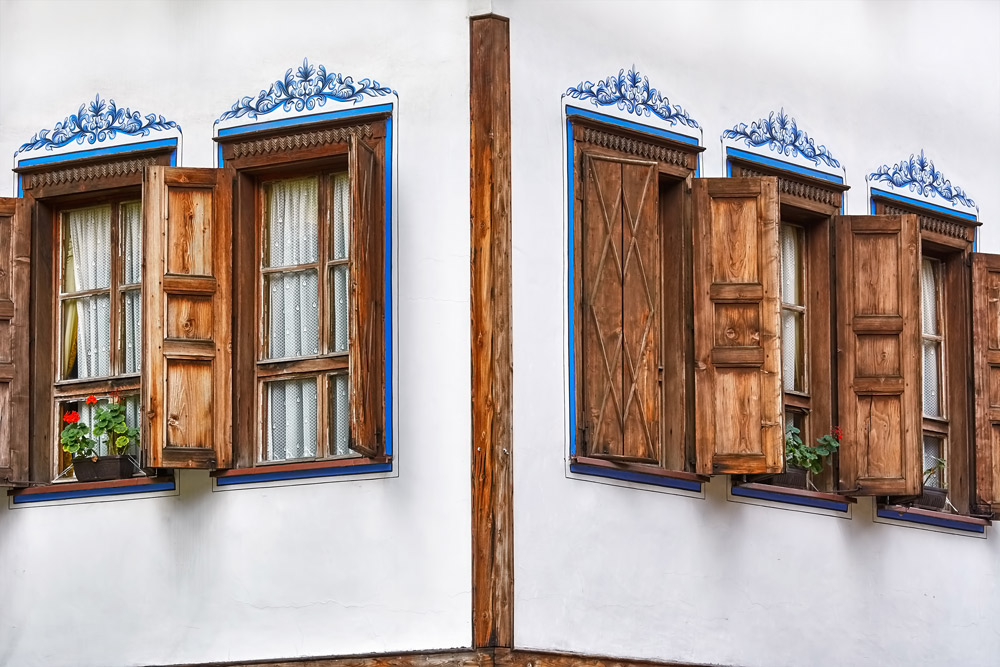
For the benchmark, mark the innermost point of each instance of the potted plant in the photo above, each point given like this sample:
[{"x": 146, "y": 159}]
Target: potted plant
[
  {"x": 934, "y": 497},
  {"x": 802, "y": 460},
  {"x": 83, "y": 442}
]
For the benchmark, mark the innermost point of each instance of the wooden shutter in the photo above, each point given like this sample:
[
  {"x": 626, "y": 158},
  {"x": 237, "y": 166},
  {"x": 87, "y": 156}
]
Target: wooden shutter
[
  {"x": 878, "y": 344},
  {"x": 620, "y": 308},
  {"x": 737, "y": 314},
  {"x": 367, "y": 298},
  {"x": 15, "y": 241},
  {"x": 187, "y": 317},
  {"x": 986, "y": 361}
]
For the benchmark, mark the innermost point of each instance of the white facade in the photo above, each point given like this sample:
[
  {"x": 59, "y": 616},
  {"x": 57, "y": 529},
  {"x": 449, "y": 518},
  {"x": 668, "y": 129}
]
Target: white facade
[{"x": 384, "y": 565}]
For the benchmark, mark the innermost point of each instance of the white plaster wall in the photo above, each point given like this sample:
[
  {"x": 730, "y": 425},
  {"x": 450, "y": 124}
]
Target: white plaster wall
[
  {"x": 332, "y": 568},
  {"x": 628, "y": 572}
]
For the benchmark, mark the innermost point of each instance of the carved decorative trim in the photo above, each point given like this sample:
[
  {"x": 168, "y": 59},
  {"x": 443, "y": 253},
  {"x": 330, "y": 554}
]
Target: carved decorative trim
[
  {"x": 636, "y": 147},
  {"x": 797, "y": 188},
  {"x": 933, "y": 223},
  {"x": 287, "y": 142},
  {"x": 90, "y": 172}
]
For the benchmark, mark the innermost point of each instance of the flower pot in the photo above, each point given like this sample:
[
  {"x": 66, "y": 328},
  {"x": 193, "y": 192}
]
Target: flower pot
[
  {"x": 933, "y": 498},
  {"x": 793, "y": 477},
  {"x": 102, "y": 468}
]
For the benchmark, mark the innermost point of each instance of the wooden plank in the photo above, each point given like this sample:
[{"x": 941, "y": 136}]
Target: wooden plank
[
  {"x": 986, "y": 377},
  {"x": 491, "y": 331}
]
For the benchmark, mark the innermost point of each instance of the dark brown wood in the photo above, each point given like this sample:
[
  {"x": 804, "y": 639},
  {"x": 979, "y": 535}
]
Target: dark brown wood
[
  {"x": 971, "y": 520},
  {"x": 186, "y": 382},
  {"x": 492, "y": 357},
  {"x": 878, "y": 261},
  {"x": 802, "y": 493},
  {"x": 640, "y": 467},
  {"x": 802, "y": 192},
  {"x": 79, "y": 486},
  {"x": 88, "y": 176},
  {"x": 986, "y": 357},
  {"x": 15, "y": 287},
  {"x": 737, "y": 352}
]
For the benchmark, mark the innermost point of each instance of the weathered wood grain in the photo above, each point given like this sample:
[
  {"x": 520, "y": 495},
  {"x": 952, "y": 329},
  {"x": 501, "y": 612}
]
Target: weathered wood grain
[
  {"x": 492, "y": 372},
  {"x": 986, "y": 376},
  {"x": 15, "y": 239}
]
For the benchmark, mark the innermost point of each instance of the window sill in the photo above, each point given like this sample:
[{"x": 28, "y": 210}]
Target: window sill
[
  {"x": 803, "y": 497},
  {"x": 79, "y": 490},
  {"x": 969, "y": 524},
  {"x": 299, "y": 471},
  {"x": 637, "y": 472}
]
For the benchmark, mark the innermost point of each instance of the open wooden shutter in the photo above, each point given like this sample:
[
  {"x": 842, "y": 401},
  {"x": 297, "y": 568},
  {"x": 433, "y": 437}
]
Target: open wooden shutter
[
  {"x": 620, "y": 309},
  {"x": 878, "y": 344},
  {"x": 367, "y": 280},
  {"x": 15, "y": 242},
  {"x": 737, "y": 315},
  {"x": 187, "y": 317},
  {"x": 986, "y": 362}
]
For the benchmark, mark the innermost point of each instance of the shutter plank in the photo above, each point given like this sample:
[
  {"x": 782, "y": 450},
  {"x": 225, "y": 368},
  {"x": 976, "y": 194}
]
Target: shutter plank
[
  {"x": 15, "y": 242},
  {"x": 986, "y": 361},
  {"x": 737, "y": 323},
  {"x": 187, "y": 317},
  {"x": 367, "y": 321},
  {"x": 878, "y": 310}
]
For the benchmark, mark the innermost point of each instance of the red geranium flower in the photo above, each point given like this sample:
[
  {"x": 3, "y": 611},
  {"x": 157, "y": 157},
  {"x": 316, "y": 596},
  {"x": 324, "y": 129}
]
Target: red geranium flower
[
  {"x": 837, "y": 432},
  {"x": 71, "y": 417},
  {"x": 91, "y": 400}
]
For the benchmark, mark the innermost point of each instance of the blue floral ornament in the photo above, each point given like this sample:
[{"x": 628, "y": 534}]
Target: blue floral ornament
[
  {"x": 919, "y": 175},
  {"x": 631, "y": 93},
  {"x": 781, "y": 135}
]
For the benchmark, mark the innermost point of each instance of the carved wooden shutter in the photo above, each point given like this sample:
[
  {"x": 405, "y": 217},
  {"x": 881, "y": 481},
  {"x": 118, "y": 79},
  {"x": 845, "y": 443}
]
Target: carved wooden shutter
[
  {"x": 367, "y": 281},
  {"x": 737, "y": 314},
  {"x": 15, "y": 242},
  {"x": 620, "y": 308},
  {"x": 878, "y": 343},
  {"x": 986, "y": 361},
  {"x": 187, "y": 317}
]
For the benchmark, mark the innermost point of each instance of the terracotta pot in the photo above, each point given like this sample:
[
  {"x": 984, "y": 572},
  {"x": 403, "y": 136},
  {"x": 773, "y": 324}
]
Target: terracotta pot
[{"x": 102, "y": 468}]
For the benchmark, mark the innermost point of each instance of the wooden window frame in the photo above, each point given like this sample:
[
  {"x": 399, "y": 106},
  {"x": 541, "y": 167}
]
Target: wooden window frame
[
  {"x": 258, "y": 157},
  {"x": 948, "y": 240},
  {"x": 48, "y": 190},
  {"x": 676, "y": 164}
]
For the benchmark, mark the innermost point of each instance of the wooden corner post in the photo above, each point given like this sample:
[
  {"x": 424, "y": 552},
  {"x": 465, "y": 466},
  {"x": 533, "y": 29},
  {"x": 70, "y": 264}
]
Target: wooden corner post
[{"x": 492, "y": 365}]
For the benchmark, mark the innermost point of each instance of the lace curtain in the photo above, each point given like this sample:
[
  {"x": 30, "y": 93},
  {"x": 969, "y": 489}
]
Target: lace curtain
[
  {"x": 792, "y": 362},
  {"x": 87, "y": 319}
]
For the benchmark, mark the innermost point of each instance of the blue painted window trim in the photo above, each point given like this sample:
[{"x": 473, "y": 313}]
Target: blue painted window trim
[
  {"x": 98, "y": 152},
  {"x": 386, "y": 224},
  {"x": 310, "y": 473},
  {"x": 572, "y": 111},
  {"x": 24, "y": 499},
  {"x": 791, "y": 499},
  {"x": 916, "y": 203},
  {"x": 942, "y": 521},
  {"x": 631, "y": 476},
  {"x": 777, "y": 164}
]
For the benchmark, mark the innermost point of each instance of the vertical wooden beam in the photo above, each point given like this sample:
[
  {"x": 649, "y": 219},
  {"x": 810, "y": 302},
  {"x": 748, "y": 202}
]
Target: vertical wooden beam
[{"x": 492, "y": 374}]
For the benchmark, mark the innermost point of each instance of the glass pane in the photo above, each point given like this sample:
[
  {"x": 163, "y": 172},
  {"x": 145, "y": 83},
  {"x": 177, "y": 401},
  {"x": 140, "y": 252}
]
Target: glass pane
[
  {"x": 792, "y": 351},
  {"x": 86, "y": 337},
  {"x": 292, "y": 235},
  {"x": 341, "y": 215},
  {"x": 291, "y": 304},
  {"x": 131, "y": 331},
  {"x": 934, "y": 462},
  {"x": 791, "y": 265},
  {"x": 340, "y": 429},
  {"x": 291, "y": 419},
  {"x": 86, "y": 249},
  {"x": 796, "y": 419},
  {"x": 338, "y": 308},
  {"x": 929, "y": 297},
  {"x": 932, "y": 380},
  {"x": 131, "y": 213}
]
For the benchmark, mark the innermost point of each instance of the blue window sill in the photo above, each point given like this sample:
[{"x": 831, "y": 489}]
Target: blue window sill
[
  {"x": 931, "y": 518},
  {"x": 643, "y": 474},
  {"x": 77, "y": 490},
  {"x": 291, "y": 473},
  {"x": 778, "y": 494}
]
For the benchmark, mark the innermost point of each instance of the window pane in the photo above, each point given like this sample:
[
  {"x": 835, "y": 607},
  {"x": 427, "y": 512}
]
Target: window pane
[
  {"x": 338, "y": 308},
  {"x": 291, "y": 304},
  {"x": 933, "y": 462},
  {"x": 87, "y": 413},
  {"x": 929, "y": 297},
  {"x": 291, "y": 419},
  {"x": 932, "y": 380},
  {"x": 340, "y": 429},
  {"x": 86, "y": 337},
  {"x": 131, "y": 213},
  {"x": 792, "y": 351},
  {"x": 791, "y": 265},
  {"x": 86, "y": 249},
  {"x": 292, "y": 236},
  {"x": 341, "y": 215},
  {"x": 131, "y": 331}
]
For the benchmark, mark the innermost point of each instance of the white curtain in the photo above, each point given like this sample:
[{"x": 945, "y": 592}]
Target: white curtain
[
  {"x": 132, "y": 306},
  {"x": 791, "y": 320},
  {"x": 292, "y": 419},
  {"x": 90, "y": 244},
  {"x": 931, "y": 348},
  {"x": 341, "y": 248},
  {"x": 340, "y": 425}
]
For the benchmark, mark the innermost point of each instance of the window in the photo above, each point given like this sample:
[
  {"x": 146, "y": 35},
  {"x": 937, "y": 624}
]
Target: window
[
  {"x": 309, "y": 306},
  {"x": 932, "y": 337}
]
